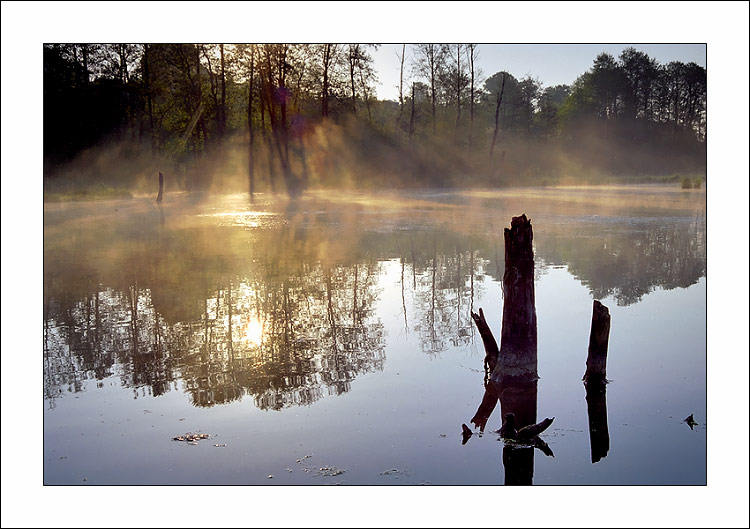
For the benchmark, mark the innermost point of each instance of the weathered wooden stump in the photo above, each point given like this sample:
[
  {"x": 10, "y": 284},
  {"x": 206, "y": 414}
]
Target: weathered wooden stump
[
  {"x": 512, "y": 368},
  {"x": 518, "y": 338},
  {"x": 596, "y": 363},
  {"x": 161, "y": 187}
]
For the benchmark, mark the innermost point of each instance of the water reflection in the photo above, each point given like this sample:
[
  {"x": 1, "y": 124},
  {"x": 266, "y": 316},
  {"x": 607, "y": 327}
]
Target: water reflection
[
  {"x": 596, "y": 403},
  {"x": 282, "y": 307},
  {"x": 288, "y": 331},
  {"x": 519, "y": 396},
  {"x": 628, "y": 258}
]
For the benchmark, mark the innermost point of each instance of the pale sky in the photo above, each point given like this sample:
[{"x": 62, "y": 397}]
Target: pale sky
[{"x": 552, "y": 64}]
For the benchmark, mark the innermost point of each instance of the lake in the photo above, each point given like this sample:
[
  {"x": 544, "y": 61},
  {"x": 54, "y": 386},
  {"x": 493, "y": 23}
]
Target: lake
[{"x": 329, "y": 340}]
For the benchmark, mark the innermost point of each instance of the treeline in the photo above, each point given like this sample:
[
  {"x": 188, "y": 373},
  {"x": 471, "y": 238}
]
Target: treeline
[{"x": 279, "y": 117}]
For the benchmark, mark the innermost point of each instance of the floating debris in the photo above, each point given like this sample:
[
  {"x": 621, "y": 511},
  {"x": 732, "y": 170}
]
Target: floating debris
[
  {"x": 270, "y": 476},
  {"x": 191, "y": 438},
  {"x": 289, "y": 470},
  {"x": 222, "y": 444},
  {"x": 443, "y": 435},
  {"x": 690, "y": 421},
  {"x": 390, "y": 472},
  {"x": 300, "y": 460},
  {"x": 331, "y": 471}
]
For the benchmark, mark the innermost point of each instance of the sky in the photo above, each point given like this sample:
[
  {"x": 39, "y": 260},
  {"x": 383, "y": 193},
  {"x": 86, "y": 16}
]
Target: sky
[{"x": 552, "y": 64}]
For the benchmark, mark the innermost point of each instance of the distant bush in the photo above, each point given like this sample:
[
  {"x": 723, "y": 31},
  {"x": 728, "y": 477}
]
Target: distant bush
[
  {"x": 686, "y": 182},
  {"x": 697, "y": 183},
  {"x": 102, "y": 193}
]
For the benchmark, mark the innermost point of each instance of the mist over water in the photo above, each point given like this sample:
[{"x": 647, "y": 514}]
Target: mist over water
[
  {"x": 353, "y": 155},
  {"x": 339, "y": 324}
]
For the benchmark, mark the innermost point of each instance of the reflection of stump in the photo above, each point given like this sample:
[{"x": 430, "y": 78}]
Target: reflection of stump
[
  {"x": 519, "y": 397},
  {"x": 519, "y": 465},
  {"x": 596, "y": 400},
  {"x": 596, "y": 363},
  {"x": 161, "y": 187}
]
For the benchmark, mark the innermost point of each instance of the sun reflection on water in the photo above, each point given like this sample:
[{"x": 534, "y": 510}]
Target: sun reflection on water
[{"x": 253, "y": 331}]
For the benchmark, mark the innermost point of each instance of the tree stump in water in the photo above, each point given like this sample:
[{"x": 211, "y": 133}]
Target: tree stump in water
[
  {"x": 518, "y": 338},
  {"x": 161, "y": 188},
  {"x": 513, "y": 378},
  {"x": 596, "y": 363},
  {"x": 513, "y": 368}
]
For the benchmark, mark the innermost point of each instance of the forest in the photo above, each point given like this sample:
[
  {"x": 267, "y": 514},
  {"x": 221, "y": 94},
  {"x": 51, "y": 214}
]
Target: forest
[{"x": 284, "y": 118}]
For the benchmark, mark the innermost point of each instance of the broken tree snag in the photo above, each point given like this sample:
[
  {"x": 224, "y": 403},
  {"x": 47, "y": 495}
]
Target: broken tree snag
[
  {"x": 518, "y": 338},
  {"x": 490, "y": 344},
  {"x": 161, "y": 187},
  {"x": 489, "y": 401},
  {"x": 596, "y": 363}
]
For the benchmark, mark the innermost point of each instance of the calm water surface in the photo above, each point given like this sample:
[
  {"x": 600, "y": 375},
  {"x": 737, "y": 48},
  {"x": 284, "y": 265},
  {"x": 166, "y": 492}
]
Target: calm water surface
[{"x": 329, "y": 340}]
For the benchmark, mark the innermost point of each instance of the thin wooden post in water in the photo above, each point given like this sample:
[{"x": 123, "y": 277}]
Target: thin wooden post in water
[
  {"x": 161, "y": 187},
  {"x": 596, "y": 363}
]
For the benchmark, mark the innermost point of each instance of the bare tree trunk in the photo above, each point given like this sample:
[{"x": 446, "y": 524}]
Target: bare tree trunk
[
  {"x": 458, "y": 85},
  {"x": 471, "y": 96},
  {"x": 223, "y": 121},
  {"x": 411, "y": 120},
  {"x": 328, "y": 52},
  {"x": 280, "y": 128},
  {"x": 497, "y": 117},
  {"x": 251, "y": 161},
  {"x": 367, "y": 96},
  {"x": 401, "y": 87},
  {"x": 352, "y": 66},
  {"x": 85, "y": 57},
  {"x": 147, "y": 79},
  {"x": 200, "y": 136},
  {"x": 434, "y": 108}
]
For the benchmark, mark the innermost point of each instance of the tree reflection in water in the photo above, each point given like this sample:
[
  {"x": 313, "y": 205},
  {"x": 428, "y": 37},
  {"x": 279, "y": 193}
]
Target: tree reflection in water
[{"x": 282, "y": 306}]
